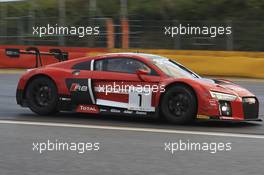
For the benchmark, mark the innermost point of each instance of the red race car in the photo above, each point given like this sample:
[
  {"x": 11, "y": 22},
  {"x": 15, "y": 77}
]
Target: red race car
[{"x": 132, "y": 84}]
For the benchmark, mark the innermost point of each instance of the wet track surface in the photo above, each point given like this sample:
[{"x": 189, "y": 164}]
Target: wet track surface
[{"x": 123, "y": 152}]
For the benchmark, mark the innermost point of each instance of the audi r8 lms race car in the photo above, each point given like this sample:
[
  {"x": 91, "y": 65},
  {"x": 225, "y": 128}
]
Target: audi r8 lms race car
[{"x": 134, "y": 84}]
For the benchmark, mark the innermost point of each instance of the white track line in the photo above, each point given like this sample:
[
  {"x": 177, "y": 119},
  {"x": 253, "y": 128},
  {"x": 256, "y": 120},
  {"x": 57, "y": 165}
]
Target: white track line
[{"x": 222, "y": 134}]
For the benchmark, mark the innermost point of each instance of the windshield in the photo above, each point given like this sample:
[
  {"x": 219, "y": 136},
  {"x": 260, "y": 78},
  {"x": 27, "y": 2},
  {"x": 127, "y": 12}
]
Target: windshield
[{"x": 174, "y": 69}]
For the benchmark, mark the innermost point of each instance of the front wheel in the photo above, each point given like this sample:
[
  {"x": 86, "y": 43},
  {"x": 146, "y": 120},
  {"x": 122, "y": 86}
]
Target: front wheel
[
  {"x": 179, "y": 104},
  {"x": 42, "y": 96}
]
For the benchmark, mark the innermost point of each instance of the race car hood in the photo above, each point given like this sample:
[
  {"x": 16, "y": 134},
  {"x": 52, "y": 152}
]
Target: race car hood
[
  {"x": 225, "y": 86},
  {"x": 217, "y": 85}
]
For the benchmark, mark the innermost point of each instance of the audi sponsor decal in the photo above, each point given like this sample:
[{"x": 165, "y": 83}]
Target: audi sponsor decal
[{"x": 77, "y": 87}]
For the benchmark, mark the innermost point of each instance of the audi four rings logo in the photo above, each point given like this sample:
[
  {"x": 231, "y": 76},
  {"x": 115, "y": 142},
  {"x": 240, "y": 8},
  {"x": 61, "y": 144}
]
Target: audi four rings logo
[{"x": 77, "y": 87}]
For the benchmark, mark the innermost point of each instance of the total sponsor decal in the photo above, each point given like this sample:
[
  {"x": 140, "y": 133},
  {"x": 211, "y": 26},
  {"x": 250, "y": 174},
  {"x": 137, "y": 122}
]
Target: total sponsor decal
[{"x": 88, "y": 109}]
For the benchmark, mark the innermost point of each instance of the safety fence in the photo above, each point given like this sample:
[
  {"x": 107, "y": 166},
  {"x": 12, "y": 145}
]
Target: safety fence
[{"x": 136, "y": 32}]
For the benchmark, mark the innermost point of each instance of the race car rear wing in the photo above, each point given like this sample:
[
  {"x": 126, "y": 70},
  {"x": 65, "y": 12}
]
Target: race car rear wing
[{"x": 57, "y": 53}]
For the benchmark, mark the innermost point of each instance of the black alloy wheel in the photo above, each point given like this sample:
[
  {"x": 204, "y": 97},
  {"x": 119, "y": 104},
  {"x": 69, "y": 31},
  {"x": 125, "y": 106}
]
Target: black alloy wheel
[
  {"x": 179, "y": 104},
  {"x": 42, "y": 96}
]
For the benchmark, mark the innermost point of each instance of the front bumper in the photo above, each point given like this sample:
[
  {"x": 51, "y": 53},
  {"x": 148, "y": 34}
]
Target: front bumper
[{"x": 242, "y": 109}]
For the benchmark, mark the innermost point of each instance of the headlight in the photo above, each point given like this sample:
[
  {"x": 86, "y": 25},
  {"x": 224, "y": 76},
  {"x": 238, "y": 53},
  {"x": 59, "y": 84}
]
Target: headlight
[{"x": 223, "y": 96}]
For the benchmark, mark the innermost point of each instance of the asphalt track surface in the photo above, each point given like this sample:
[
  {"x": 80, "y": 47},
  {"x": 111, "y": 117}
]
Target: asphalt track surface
[{"x": 127, "y": 145}]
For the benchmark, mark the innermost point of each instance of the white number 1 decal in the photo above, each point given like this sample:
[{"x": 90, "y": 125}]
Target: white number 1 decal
[{"x": 140, "y": 101}]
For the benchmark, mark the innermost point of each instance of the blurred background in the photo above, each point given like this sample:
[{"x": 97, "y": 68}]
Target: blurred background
[
  {"x": 138, "y": 26},
  {"x": 145, "y": 21}
]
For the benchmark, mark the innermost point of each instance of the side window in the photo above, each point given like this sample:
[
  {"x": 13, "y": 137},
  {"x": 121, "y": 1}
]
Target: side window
[
  {"x": 125, "y": 65},
  {"x": 82, "y": 66}
]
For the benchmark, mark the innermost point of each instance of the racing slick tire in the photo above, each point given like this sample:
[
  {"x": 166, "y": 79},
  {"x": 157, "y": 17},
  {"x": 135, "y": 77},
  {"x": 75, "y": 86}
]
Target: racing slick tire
[
  {"x": 42, "y": 96},
  {"x": 179, "y": 104}
]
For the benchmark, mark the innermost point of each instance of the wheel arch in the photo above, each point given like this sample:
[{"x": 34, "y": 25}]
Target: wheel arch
[
  {"x": 181, "y": 83},
  {"x": 35, "y": 77}
]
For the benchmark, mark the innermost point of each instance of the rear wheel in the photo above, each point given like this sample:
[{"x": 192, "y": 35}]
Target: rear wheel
[
  {"x": 179, "y": 105},
  {"x": 42, "y": 96}
]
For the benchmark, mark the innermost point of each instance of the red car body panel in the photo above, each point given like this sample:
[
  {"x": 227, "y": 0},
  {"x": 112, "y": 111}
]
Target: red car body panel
[{"x": 208, "y": 107}]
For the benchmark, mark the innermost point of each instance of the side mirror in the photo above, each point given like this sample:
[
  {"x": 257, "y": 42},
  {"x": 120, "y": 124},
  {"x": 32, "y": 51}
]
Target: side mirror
[{"x": 141, "y": 72}]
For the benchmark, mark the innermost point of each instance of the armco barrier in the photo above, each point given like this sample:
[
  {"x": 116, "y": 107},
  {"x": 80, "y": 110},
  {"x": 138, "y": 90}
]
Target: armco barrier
[
  {"x": 28, "y": 61},
  {"x": 214, "y": 63}
]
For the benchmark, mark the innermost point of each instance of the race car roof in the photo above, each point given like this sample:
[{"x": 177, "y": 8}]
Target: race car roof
[{"x": 146, "y": 55}]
